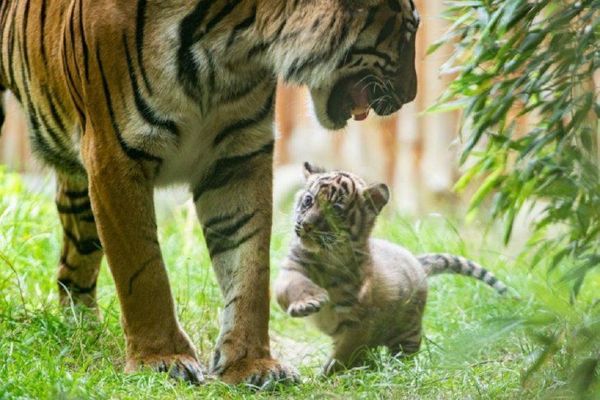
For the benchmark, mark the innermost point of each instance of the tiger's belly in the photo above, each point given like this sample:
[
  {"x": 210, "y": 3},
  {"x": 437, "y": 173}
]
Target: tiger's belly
[{"x": 202, "y": 141}]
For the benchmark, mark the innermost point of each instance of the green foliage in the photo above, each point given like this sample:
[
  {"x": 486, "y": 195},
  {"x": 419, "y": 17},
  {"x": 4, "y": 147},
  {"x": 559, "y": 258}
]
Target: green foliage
[
  {"x": 535, "y": 59},
  {"x": 474, "y": 346}
]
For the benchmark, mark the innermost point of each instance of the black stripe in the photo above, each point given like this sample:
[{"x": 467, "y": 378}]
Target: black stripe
[
  {"x": 490, "y": 279},
  {"x": 73, "y": 48},
  {"x": 370, "y": 19},
  {"x": 232, "y": 301},
  {"x": 217, "y": 234},
  {"x": 301, "y": 65},
  {"x": 55, "y": 136},
  {"x": 245, "y": 123},
  {"x": 224, "y": 12},
  {"x": 226, "y": 169},
  {"x": 139, "y": 42},
  {"x": 444, "y": 260},
  {"x": 394, "y": 5},
  {"x": 73, "y": 287},
  {"x": 141, "y": 269},
  {"x": 11, "y": 39},
  {"x": 142, "y": 106},
  {"x": 24, "y": 38},
  {"x": 245, "y": 24},
  {"x": 219, "y": 219},
  {"x": 83, "y": 246},
  {"x": 70, "y": 80},
  {"x": 474, "y": 267},
  {"x": 88, "y": 218},
  {"x": 58, "y": 121},
  {"x": 262, "y": 46},
  {"x": 131, "y": 152},
  {"x": 43, "y": 148},
  {"x": 187, "y": 68},
  {"x": 43, "y": 31},
  {"x": 454, "y": 263},
  {"x": 73, "y": 209},
  {"x": 3, "y": 25},
  {"x": 386, "y": 31},
  {"x": 258, "y": 49},
  {"x": 244, "y": 88},
  {"x": 223, "y": 246},
  {"x": 84, "y": 46},
  {"x": 73, "y": 194},
  {"x": 371, "y": 51}
]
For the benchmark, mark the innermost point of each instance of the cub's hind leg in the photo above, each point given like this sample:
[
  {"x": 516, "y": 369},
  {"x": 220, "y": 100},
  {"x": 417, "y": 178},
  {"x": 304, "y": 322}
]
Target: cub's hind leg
[
  {"x": 81, "y": 253},
  {"x": 407, "y": 343},
  {"x": 350, "y": 347}
]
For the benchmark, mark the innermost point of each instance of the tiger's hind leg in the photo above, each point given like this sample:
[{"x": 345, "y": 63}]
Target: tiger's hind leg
[{"x": 81, "y": 250}]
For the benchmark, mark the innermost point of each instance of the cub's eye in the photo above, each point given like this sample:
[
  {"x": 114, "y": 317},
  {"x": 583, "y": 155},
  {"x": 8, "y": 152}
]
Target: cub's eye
[
  {"x": 338, "y": 208},
  {"x": 307, "y": 201}
]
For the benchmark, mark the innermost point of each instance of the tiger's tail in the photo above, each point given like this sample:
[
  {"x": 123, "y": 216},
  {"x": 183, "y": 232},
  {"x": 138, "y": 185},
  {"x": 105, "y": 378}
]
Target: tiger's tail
[{"x": 435, "y": 264}]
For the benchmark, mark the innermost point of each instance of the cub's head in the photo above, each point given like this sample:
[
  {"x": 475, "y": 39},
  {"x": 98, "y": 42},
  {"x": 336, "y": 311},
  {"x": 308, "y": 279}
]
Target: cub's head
[
  {"x": 354, "y": 55},
  {"x": 336, "y": 207}
]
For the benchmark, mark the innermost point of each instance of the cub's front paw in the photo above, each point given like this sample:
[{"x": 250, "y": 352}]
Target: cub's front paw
[
  {"x": 179, "y": 366},
  {"x": 261, "y": 373},
  {"x": 307, "y": 306}
]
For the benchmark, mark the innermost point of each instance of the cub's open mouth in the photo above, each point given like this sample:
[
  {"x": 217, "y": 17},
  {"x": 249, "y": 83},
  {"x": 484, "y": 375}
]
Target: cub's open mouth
[{"x": 355, "y": 95}]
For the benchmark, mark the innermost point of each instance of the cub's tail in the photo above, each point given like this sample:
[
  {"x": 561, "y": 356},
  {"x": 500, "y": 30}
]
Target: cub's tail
[{"x": 447, "y": 263}]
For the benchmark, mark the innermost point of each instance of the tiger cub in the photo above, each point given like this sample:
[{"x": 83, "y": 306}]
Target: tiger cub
[{"x": 363, "y": 292}]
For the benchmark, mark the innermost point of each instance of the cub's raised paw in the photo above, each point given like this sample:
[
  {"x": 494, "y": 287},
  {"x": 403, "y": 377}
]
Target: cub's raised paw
[
  {"x": 307, "y": 306},
  {"x": 260, "y": 374},
  {"x": 180, "y": 367}
]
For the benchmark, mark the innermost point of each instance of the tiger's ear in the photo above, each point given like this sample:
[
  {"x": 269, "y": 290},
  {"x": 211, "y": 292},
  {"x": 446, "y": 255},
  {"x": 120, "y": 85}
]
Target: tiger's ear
[
  {"x": 377, "y": 196},
  {"x": 310, "y": 169}
]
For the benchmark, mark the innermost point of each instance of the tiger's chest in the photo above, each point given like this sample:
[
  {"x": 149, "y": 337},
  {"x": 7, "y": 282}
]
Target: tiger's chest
[{"x": 231, "y": 129}]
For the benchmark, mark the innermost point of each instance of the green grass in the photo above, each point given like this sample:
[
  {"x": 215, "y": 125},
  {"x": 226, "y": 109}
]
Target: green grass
[{"x": 478, "y": 345}]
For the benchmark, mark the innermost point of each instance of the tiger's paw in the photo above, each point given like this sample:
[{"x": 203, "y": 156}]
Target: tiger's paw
[
  {"x": 307, "y": 306},
  {"x": 181, "y": 367},
  {"x": 260, "y": 374}
]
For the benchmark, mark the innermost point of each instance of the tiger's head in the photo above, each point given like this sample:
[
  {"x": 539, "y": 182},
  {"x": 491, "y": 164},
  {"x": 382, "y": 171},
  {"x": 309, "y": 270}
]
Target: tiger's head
[
  {"x": 336, "y": 207},
  {"x": 354, "y": 55}
]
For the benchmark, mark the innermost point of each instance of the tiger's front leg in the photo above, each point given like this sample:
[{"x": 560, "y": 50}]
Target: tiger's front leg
[
  {"x": 234, "y": 206},
  {"x": 121, "y": 193}
]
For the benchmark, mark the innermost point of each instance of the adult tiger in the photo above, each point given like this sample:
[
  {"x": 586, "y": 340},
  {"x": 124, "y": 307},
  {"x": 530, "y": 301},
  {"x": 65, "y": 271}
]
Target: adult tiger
[{"x": 123, "y": 96}]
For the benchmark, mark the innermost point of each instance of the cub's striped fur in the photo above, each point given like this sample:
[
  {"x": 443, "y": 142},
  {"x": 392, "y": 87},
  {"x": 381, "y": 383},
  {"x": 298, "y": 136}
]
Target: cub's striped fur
[
  {"x": 362, "y": 292},
  {"x": 123, "y": 96}
]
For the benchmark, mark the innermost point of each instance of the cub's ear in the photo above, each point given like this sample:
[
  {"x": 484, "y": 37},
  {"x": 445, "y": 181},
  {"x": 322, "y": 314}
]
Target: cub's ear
[
  {"x": 377, "y": 196},
  {"x": 310, "y": 169}
]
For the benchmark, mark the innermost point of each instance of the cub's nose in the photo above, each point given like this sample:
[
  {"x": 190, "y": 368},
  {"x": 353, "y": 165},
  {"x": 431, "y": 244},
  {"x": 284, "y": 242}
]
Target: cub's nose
[{"x": 307, "y": 227}]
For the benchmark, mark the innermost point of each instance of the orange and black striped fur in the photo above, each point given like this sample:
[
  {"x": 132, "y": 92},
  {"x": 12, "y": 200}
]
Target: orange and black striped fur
[
  {"x": 362, "y": 292},
  {"x": 124, "y": 96}
]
